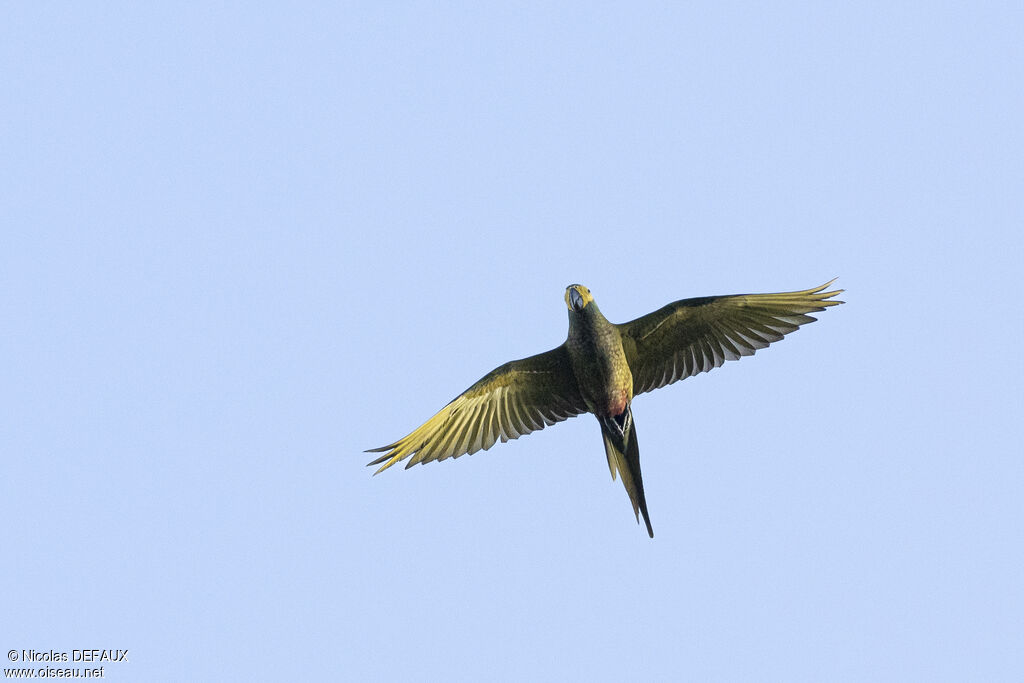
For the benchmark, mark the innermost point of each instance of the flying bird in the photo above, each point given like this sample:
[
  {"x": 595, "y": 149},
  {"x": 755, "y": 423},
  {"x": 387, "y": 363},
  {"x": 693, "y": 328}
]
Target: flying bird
[{"x": 599, "y": 368}]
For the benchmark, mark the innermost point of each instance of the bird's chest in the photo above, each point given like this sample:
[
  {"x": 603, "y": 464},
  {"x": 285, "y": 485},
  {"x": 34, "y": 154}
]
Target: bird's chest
[{"x": 602, "y": 374}]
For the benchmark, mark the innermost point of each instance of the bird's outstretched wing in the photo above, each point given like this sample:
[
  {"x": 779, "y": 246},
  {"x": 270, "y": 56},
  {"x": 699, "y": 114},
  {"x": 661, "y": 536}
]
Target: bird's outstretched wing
[
  {"x": 512, "y": 400},
  {"x": 696, "y": 335}
]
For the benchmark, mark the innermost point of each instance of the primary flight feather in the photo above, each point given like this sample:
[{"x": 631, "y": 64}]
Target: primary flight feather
[{"x": 599, "y": 368}]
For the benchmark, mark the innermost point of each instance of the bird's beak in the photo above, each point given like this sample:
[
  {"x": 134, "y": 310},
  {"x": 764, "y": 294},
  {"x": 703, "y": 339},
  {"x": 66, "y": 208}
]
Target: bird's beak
[{"x": 576, "y": 299}]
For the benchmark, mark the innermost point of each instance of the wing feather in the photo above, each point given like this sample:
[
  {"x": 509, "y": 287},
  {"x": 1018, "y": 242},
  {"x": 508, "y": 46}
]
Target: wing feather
[
  {"x": 450, "y": 439},
  {"x": 505, "y": 421},
  {"x": 692, "y": 336},
  {"x": 510, "y": 401}
]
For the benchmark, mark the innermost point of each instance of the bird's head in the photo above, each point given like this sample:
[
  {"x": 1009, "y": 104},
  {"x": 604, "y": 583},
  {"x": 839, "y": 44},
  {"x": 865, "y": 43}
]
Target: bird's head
[{"x": 577, "y": 297}]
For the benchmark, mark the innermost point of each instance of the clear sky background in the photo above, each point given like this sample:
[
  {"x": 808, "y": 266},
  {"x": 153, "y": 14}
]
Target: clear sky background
[{"x": 242, "y": 243}]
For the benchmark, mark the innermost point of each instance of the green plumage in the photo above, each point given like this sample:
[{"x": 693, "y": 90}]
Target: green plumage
[{"x": 599, "y": 368}]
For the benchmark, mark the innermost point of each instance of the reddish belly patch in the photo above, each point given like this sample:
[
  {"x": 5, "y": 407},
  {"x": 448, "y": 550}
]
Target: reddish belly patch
[{"x": 617, "y": 403}]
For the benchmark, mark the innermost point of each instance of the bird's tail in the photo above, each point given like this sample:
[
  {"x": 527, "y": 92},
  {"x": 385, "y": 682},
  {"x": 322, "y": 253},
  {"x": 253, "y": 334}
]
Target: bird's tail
[{"x": 623, "y": 453}]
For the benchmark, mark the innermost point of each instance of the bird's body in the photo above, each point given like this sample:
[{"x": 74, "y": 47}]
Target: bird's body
[
  {"x": 599, "y": 363},
  {"x": 599, "y": 368},
  {"x": 606, "y": 384}
]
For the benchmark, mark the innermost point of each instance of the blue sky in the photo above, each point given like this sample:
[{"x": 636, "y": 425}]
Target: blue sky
[{"x": 242, "y": 243}]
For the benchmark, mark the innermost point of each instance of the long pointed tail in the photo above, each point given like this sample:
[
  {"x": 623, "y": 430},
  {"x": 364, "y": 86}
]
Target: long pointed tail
[{"x": 623, "y": 453}]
